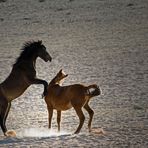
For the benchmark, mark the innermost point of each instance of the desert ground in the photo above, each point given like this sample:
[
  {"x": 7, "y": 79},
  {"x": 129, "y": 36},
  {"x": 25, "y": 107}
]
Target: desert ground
[{"x": 94, "y": 41}]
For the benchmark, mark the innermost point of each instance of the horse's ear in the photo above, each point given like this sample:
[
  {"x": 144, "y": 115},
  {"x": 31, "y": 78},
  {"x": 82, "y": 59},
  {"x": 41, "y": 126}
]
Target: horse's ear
[
  {"x": 40, "y": 42},
  {"x": 61, "y": 70}
]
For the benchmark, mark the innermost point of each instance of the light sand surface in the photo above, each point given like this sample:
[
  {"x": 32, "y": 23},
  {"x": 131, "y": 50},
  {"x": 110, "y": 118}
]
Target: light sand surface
[{"x": 94, "y": 41}]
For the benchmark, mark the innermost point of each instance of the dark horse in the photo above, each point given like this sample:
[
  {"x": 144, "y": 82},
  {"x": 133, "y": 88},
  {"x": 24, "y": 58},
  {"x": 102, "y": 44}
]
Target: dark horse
[{"x": 23, "y": 75}]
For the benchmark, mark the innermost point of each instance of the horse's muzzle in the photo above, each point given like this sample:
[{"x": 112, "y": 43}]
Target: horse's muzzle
[{"x": 48, "y": 58}]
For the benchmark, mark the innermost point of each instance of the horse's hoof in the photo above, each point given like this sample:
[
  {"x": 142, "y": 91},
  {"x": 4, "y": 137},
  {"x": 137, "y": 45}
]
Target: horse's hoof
[
  {"x": 45, "y": 93},
  {"x": 43, "y": 96},
  {"x": 76, "y": 132},
  {"x": 10, "y": 133}
]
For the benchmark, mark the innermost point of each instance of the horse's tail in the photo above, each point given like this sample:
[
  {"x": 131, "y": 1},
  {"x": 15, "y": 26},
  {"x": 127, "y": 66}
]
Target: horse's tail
[{"x": 95, "y": 92}]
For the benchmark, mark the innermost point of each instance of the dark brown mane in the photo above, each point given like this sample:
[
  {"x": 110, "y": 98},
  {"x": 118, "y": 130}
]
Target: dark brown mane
[{"x": 29, "y": 49}]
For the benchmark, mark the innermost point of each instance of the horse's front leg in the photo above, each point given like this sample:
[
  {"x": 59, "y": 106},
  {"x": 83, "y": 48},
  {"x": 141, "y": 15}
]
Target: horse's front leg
[
  {"x": 50, "y": 114},
  {"x": 40, "y": 81},
  {"x": 58, "y": 119}
]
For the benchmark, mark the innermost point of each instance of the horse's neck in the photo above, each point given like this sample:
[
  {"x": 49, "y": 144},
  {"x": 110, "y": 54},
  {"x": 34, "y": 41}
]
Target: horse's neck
[
  {"x": 54, "y": 82},
  {"x": 34, "y": 64},
  {"x": 31, "y": 62}
]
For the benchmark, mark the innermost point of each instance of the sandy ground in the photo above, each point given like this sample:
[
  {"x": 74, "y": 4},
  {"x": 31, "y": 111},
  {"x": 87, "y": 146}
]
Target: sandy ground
[{"x": 94, "y": 41}]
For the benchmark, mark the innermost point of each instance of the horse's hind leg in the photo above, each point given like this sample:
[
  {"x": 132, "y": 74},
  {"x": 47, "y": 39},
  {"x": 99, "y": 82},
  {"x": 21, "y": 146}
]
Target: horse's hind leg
[
  {"x": 8, "y": 109},
  {"x": 58, "y": 119},
  {"x": 81, "y": 118},
  {"x": 4, "y": 110},
  {"x": 91, "y": 113}
]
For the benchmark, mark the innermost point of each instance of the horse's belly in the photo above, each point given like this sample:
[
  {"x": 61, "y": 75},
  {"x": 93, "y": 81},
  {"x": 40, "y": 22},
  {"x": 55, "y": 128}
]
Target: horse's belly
[
  {"x": 13, "y": 92},
  {"x": 62, "y": 106}
]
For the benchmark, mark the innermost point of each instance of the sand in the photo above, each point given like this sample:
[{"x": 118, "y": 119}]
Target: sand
[{"x": 94, "y": 41}]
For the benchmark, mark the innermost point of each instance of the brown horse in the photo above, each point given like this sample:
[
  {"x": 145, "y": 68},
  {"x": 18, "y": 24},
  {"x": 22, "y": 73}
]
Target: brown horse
[
  {"x": 65, "y": 97},
  {"x": 23, "y": 75}
]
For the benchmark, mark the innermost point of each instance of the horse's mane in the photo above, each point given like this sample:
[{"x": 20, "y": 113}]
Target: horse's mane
[{"x": 28, "y": 50}]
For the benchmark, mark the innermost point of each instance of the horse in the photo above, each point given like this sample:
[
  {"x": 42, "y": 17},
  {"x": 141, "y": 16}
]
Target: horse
[
  {"x": 23, "y": 74},
  {"x": 62, "y": 98}
]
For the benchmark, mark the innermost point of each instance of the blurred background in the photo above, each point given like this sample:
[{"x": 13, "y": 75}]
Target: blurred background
[{"x": 94, "y": 41}]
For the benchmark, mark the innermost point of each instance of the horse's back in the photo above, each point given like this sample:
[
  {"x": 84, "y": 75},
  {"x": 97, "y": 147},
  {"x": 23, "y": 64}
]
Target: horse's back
[
  {"x": 56, "y": 97},
  {"x": 62, "y": 97},
  {"x": 76, "y": 90},
  {"x": 67, "y": 92}
]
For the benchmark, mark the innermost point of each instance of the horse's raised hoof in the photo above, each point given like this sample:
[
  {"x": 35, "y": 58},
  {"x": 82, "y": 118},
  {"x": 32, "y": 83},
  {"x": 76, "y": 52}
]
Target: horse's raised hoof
[
  {"x": 98, "y": 131},
  {"x": 44, "y": 94},
  {"x": 10, "y": 133}
]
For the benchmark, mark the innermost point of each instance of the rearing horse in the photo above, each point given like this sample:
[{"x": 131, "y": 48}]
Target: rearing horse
[{"x": 23, "y": 75}]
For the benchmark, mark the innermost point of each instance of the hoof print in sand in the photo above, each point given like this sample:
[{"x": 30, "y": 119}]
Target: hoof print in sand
[{"x": 98, "y": 131}]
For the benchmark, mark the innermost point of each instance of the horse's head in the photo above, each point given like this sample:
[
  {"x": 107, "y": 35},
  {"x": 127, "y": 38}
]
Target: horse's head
[
  {"x": 60, "y": 76},
  {"x": 42, "y": 52}
]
